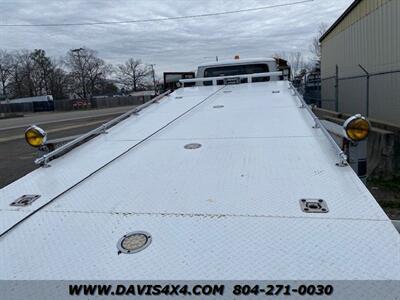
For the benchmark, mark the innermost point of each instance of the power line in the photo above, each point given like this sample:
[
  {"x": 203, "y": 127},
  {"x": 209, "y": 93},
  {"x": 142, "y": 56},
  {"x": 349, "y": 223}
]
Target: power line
[{"x": 158, "y": 19}]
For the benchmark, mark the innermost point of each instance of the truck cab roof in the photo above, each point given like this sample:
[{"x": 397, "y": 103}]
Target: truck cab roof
[{"x": 237, "y": 62}]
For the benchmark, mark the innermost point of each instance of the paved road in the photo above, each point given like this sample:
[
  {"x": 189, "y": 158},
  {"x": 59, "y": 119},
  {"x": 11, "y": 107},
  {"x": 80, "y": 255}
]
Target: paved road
[
  {"x": 16, "y": 157},
  {"x": 56, "y": 117}
]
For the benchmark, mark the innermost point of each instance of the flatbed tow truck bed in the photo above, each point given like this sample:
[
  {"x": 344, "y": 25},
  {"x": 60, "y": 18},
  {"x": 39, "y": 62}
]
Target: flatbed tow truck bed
[{"x": 215, "y": 174}]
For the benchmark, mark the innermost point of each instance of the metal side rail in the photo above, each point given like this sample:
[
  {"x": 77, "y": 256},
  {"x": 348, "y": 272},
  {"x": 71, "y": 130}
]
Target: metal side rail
[
  {"x": 318, "y": 124},
  {"x": 44, "y": 160},
  {"x": 396, "y": 224},
  {"x": 51, "y": 145}
]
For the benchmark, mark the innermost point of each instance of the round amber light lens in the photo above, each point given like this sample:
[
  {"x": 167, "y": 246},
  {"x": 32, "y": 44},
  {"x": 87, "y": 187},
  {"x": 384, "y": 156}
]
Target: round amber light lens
[
  {"x": 357, "y": 129},
  {"x": 35, "y": 137}
]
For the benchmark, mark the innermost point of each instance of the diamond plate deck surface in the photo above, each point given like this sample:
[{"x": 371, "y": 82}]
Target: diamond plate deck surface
[
  {"x": 227, "y": 210},
  {"x": 83, "y": 246}
]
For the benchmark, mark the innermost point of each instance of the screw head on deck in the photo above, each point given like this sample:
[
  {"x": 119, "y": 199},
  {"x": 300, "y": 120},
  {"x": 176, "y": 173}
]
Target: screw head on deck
[{"x": 192, "y": 146}]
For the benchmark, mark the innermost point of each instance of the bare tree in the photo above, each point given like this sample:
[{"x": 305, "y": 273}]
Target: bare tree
[
  {"x": 97, "y": 71},
  {"x": 58, "y": 80},
  {"x": 6, "y": 71},
  {"x": 16, "y": 86},
  {"x": 295, "y": 59},
  {"x": 133, "y": 74},
  {"x": 27, "y": 73},
  {"x": 297, "y": 62},
  {"x": 30, "y": 74},
  {"x": 315, "y": 46},
  {"x": 22, "y": 81},
  {"x": 41, "y": 70},
  {"x": 87, "y": 71}
]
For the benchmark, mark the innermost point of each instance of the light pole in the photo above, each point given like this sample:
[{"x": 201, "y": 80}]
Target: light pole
[
  {"x": 367, "y": 76},
  {"x": 216, "y": 57},
  {"x": 154, "y": 78},
  {"x": 78, "y": 51}
]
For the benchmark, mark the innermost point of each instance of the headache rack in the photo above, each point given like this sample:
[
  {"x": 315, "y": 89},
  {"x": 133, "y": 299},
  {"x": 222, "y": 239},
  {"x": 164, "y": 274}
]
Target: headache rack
[{"x": 233, "y": 79}]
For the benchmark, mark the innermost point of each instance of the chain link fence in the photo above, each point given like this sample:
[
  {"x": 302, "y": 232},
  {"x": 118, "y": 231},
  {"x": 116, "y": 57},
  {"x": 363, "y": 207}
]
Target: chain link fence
[
  {"x": 375, "y": 95},
  {"x": 65, "y": 105}
]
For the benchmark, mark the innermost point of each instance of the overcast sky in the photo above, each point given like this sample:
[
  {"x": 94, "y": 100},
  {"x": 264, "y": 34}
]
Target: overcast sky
[{"x": 173, "y": 45}]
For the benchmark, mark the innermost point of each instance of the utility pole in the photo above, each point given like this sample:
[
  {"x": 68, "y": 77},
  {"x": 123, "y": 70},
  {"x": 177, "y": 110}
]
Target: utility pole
[
  {"x": 208, "y": 57},
  {"x": 337, "y": 88},
  {"x": 78, "y": 51},
  {"x": 367, "y": 100},
  {"x": 154, "y": 78}
]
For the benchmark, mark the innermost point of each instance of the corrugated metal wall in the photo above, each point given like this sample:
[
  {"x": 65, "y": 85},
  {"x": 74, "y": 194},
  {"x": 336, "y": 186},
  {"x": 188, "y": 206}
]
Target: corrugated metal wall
[{"x": 370, "y": 36}]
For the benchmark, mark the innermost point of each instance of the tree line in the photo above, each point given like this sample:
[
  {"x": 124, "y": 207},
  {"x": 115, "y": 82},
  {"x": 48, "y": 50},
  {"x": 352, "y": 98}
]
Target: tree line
[
  {"x": 299, "y": 64},
  {"x": 81, "y": 72}
]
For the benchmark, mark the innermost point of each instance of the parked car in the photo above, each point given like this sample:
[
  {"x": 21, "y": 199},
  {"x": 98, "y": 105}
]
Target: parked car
[{"x": 80, "y": 104}]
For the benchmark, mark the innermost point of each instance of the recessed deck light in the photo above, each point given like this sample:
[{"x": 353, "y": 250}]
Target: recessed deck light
[{"x": 134, "y": 242}]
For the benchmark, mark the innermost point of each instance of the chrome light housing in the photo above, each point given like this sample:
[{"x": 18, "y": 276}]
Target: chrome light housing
[
  {"x": 356, "y": 128},
  {"x": 35, "y": 136}
]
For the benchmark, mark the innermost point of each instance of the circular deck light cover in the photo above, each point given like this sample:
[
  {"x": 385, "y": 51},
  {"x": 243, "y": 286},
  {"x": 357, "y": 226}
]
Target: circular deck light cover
[
  {"x": 192, "y": 146},
  {"x": 356, "y": 128},
  {"x": 35, "y": 136},
  {"x": 134, "y": 242}
]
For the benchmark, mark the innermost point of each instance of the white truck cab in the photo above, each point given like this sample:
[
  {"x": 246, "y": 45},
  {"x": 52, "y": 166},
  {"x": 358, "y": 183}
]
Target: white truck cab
[{"x": 238, "y": 71}]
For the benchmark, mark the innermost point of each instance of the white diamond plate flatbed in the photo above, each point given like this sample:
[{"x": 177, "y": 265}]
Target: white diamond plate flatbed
[{"x": 228, "y": 210}]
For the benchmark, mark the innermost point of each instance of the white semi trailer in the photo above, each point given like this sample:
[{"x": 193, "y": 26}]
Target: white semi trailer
[{"x": 35, "y": 99}]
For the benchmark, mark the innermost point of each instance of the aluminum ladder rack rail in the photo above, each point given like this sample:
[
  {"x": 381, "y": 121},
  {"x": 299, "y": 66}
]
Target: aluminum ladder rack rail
[
  {"x": 43, "y": 160},
  {"x": 318, "y": 124},
  {"x": 249, "y": 77}
]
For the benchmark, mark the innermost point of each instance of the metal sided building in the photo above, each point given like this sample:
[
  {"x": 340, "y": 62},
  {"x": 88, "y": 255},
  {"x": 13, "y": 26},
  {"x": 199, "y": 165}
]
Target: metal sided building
[{"x": 364, "y": 40}]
